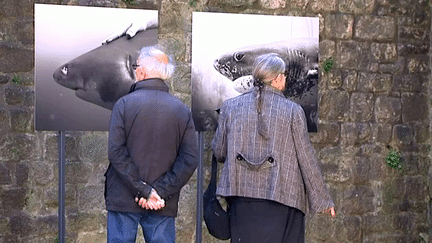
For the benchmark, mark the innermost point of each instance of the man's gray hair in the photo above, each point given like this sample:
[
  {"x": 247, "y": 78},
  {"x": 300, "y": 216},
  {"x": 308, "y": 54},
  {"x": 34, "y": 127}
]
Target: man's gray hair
[{"x": 154, "y": 59}]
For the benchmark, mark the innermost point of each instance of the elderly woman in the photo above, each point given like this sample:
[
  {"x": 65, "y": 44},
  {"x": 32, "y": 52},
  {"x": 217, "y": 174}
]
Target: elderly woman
[{"x": 270, "y": 171}]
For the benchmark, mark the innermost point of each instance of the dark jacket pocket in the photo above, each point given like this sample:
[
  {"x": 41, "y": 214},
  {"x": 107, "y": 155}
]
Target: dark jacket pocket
[{"x": 265, "y": 163}]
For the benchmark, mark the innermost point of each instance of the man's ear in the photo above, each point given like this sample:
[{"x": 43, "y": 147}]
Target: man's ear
[{"x": 140, "y": 73}]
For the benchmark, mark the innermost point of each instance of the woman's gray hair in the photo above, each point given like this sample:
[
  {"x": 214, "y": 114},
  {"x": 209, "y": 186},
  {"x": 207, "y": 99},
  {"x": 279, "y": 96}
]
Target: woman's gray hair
[
  {"x": 154, "y": 59},
  {"x": 265, "y": 69}
]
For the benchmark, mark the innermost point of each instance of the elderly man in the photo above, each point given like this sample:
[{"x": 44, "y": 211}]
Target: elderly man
[{"x": 152, "y": 152}]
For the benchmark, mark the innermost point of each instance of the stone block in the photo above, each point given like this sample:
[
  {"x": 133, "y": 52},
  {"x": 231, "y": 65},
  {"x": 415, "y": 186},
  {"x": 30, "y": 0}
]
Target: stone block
[
  {"x": 71, "y": 146},
  {"x": 21, "y": 173},
  {"x": 42, "y": 173},
  {"x": 50, "y": 147},
  {"x": 404, "y": 222},
  {"x": 416, "y": 188},
  {"x": 4, "y": 79},
  {"x": 403, "y": 134},
  {"x": 349, "y": 80},
  {"x": 22, "y": 121},
  {"x": 18, "y": 95},
  {"x": 384, "y": 52},
  {"x": 19, "y": 147},
  {"x": 86, "y": 222},
  {"x": 421, "y": 132},
  {"x": 413, "y": 34},
  {"x": 360, "y": 170},
  {"x": 323, "y": 5},
  {"x": 374, "y": 82},
  {"x": 5, "y": 175},
  {"x": 353, "y": 228},
  {"x": 334, "y": 105},
  {"x": 93, "y": 146},
  {"x": 46, "y": 224},
  {"x": 392, "y": 193},
  {"x": 51, "y": 197},
  {"x": 353, "y": 55},
  {"x": 12, "y": 8},
  {"x": 177, "y": 23},
  {"x": 414, "y": 107},
  {"x": 97, "y": 177},
  {"x": 91, "y": 197},
  {"x": 182, "y": 79},
  {"x": 395, "y": 68},
  {"x": 339, "y": 26},
  {"x": 357, "y": 201},
  {"x": 361, "y": 107},
  {"x": 377, "y": 223},
  {"x": 298, "y": 4},
  {"x": 407, "y": 49},
  {"x": 382, "y": 133},
  {"x": 4, "y": 226},
  {"x": 78, "y": 172},
  {"x": 334, "y": 167},
  {"x": 327, "y": 134},
  {"x": 331, "y": 80},
  {"x": 418, "y": 64},
  {"x": 273, "y": 4},
  {"x": 327, "y": 49},
  {"x": 174, "y": 44},
  {"x": 323, "y": 228},
  {"x": 35, "y": 201},
  {"x": 388, "y": 109},
  {"x": 357, "y": 6},
  {"x": 409, "y": 83},
  {"x": 21, "y": 225},
  {"x": 19, "y": 29},
  {"x": 356, "y": 133},
  {"x": 378, "y": 28},
  {"x": 98, "y": 3},
  {"x": 11, "y": 59},
  {"x": 92, "y": 237},
  {"x": 421, "y": 16},
  {"x": 414, "y": 163}
]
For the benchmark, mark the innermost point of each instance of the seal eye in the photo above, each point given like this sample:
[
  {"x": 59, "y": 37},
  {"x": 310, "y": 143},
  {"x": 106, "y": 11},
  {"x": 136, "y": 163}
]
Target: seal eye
[
  {"x": 238, "y": 56},
  {"x": 64, "y": 70}
]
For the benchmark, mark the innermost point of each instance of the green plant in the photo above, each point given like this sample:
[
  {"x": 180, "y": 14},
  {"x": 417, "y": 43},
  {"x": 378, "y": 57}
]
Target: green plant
[
  {"x": 129, "y": 1},
  {"x": 393, "y": 158},
  {"x": 327, "y": 65},
  {"x": 16, "y": 79},
  {"x": 193, "y": 3}
]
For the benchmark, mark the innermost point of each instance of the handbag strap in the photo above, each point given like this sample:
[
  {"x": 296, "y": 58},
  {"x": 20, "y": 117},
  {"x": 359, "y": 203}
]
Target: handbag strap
[{"x": 212, "y": 185}]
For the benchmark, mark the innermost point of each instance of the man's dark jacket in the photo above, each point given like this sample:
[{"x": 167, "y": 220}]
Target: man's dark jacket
[{"x": 152, "y": 144}]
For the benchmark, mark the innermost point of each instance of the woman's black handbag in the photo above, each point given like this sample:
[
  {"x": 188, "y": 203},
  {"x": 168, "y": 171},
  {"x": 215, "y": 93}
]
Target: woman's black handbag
[{"x": 215, "y": 217}]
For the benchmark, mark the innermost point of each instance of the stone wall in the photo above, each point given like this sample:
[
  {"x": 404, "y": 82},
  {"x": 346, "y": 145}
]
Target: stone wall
[{"x": 376, "y": 95}]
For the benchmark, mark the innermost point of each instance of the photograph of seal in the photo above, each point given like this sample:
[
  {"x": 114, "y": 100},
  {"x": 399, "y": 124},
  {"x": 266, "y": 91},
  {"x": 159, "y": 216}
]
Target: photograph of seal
[
  {"x": 83, "y": 65},
  {"x": 225, "y": 69}
]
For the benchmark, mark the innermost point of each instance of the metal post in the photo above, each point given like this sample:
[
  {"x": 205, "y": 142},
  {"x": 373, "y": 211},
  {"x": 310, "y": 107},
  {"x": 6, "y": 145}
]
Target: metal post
[
  {"x": 61, "y": 187},
  {"x": 199, "y": 215}
]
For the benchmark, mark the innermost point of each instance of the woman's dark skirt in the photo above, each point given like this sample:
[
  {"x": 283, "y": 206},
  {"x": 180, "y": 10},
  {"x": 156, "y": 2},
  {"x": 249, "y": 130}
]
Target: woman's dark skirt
[{"x": 264, "y": 221}]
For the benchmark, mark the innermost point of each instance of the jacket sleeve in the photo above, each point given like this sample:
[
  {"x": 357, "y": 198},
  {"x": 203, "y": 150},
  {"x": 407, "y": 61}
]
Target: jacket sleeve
[
  {"x": 184, "y": 165},
  {"x": 219, "y": 142},
  {"x": 118, "y": 153},
  {"x": 318, "y": 196}
]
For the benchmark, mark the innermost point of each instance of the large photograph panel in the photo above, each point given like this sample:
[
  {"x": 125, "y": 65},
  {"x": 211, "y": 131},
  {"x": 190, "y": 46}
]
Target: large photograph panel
[
  {"x": 224, "y": 47},
  {"x": 78, "y": 79}
]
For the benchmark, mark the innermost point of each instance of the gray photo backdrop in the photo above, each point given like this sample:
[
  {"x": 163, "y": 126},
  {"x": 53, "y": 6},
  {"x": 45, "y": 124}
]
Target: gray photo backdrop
[
  {"x": 223, "y": 49},
  {"x": 63, "y": 33}
]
